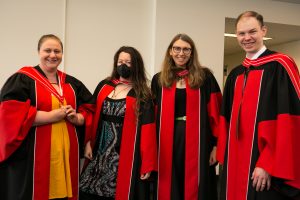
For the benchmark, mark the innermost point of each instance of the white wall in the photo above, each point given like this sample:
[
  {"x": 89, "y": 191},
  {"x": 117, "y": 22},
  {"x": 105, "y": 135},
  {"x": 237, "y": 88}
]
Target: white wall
[
  {"x": 94, "y": 29},
  {"x": 21, "y": 25},
  {"x": 292, "y": 49}
]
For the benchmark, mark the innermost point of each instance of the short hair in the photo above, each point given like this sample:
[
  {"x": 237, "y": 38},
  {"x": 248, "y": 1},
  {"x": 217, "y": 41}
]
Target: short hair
[
  {"x": 49, "y": 36},
  {"x": 254, "y": 14}
]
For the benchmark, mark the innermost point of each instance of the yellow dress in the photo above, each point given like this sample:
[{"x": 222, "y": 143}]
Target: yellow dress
[{"x": 60, "y": 178}]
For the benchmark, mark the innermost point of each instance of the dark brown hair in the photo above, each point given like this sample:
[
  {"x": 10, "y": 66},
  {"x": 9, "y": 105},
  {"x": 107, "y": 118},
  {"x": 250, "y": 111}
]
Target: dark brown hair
[{"x": 138, "y": 75}]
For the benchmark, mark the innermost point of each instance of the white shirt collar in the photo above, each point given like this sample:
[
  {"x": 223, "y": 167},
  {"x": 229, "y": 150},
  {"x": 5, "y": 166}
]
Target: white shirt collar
[{"x": 257, "y": 54}]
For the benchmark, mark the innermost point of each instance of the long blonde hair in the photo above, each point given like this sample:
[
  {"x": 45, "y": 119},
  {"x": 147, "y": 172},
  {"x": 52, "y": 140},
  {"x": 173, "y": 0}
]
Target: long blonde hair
[{"x": 196, "y": 74}]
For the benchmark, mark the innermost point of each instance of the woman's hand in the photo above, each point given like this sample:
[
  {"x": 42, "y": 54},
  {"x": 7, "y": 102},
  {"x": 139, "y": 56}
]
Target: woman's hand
[
  {"x": 145, "y": 176},
  {"x": 261, "y": 179},
  {"x": 44, "y": 117},
  {"x": 88, "y": 152},
  {"x": 213, "y": 156},
  {"x": 73, "y": 117}
]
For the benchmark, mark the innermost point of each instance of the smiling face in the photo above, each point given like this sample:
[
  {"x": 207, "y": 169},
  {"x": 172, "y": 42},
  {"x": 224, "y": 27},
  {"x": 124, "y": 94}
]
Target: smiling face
[
  {"x": 181, "y": 52},
  {"x": 250, "y": 34},
  {"x": 50, "y": 53}
]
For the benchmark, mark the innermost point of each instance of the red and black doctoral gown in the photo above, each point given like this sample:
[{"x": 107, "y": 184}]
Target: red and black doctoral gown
[
  {"x": 260, "y": 120},
  {"x": 25, "y": 149},
  {"x": 202, "y": 118},
  {"x": 138, "y": 151}
]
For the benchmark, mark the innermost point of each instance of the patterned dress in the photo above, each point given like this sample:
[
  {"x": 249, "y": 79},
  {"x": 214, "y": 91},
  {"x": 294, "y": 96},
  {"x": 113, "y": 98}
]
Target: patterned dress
[{"x": 100, "y": 175}]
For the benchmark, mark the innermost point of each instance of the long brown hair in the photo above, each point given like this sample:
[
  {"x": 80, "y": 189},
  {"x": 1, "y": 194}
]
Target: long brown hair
[
  {"x": 196, "y": 74},
  {"x": 138, "y": 75}
]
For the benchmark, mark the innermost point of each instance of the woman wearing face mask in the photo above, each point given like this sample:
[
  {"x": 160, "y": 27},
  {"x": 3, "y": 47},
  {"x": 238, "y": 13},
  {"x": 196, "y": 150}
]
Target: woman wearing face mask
[
  {"x": 188, "y": 100},
  {"x": 122, "y": 150}
]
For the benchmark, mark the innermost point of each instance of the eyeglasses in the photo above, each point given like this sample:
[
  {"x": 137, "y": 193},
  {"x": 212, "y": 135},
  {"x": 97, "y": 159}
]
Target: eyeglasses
[{"x": 185, "y": 50}]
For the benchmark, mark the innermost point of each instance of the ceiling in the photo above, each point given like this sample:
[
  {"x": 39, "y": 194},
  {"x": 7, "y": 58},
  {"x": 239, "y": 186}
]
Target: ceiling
[{"x": 281, "y": 33}]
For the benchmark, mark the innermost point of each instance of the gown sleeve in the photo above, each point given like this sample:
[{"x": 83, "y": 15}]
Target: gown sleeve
[
  {"x": 148, "y": 139},
  {"x": 16, "y": 114}
]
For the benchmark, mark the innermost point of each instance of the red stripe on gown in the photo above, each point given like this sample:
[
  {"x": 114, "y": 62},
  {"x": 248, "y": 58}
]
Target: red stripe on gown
[
  {"x": 213, "y": 109},
  {"x": 127, "y": 150},
  {"x": 191, "y": 145},
  {"x": 287, "y": 62},
  {"x": 148, "y": 148},
  {"x": 222, "y": 139},
  {"x": 166, "y": 143},
  {"x": 103, "y": 93},
  {"x": 239, "y": 153},
  {"x": 42, "y": 147},
  {"x": 74, "y": 143}
]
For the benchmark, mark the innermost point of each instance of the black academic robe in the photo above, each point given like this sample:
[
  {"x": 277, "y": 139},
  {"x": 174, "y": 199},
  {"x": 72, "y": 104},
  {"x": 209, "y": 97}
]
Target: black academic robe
[
  {"x": 260, "y": 120},
  {"x": 138, "y": 149},
  {"x": 202, "y": 118},
  {"x": 25, "y": 149}
]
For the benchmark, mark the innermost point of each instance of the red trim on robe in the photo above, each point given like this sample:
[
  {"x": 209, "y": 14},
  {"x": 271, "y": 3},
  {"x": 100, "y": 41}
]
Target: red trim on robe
[
  {"x": 42, "y": 150},
  {"x": 192, "y": 142},
  {"x": 43, "y": 137},
  {"x": 74, "y": 143},
  {"x": 239, "y": 153},
  {"x": 128, "y": 142},
  {"x": 127, "y": 150},
  {"x": 148, "y": 151},
  {"x": 287, "y": 62},
  {"x": 103, "y": 93},
  {"x": 87, "y": 111},
  {"x": 279, "y": 152},
  {"x": 35, "y": 75},
  {"x": 213, "y": 109},
  {"x": 16, "y": 126},
  {"x": 192, "y": 163},
  {"x": 222, "y": 139},
  {"x": 166, "y": 143}
]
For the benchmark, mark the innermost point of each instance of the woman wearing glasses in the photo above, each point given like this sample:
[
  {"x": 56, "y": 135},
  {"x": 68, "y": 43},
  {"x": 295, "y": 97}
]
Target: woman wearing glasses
[
  {"x": 124, "y": 143},
  {"x": 188, "y": 99}
]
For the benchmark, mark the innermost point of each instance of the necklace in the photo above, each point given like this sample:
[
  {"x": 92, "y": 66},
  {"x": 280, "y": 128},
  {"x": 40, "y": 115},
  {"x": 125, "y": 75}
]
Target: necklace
[
  {"x": 115, "y": 94},
  {"x": 181, "y": 75},
  {"x": 181, "y": 81}
]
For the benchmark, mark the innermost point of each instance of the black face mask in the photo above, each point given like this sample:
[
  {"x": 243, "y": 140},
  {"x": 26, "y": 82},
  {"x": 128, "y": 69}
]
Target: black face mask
[{"x": 124, "y": 71}]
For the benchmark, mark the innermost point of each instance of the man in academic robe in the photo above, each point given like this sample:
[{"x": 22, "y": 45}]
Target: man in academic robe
[{"x": 260, "y": 121}]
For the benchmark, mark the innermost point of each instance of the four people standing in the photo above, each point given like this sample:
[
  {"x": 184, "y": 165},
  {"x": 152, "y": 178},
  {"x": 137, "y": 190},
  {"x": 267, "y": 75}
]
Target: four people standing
[
  {"x": 42, "y": 108},
  {"x": 260, "y": 118},
  {"x": 188, "y": 99}
]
